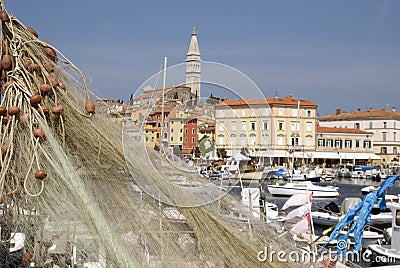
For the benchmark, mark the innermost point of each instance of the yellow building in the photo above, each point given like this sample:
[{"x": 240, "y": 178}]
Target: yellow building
[
  {"x": 242, "y": 124},
  {"x": 176, "y": 124},
  {"x": 151, "y": 135},
  {"x": 272, "y": 127}
]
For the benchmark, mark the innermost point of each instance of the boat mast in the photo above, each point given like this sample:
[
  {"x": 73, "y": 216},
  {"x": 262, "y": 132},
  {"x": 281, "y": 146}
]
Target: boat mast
[
  {"x": 296, "y": 135},
  {"x": 162, "y": 105}
]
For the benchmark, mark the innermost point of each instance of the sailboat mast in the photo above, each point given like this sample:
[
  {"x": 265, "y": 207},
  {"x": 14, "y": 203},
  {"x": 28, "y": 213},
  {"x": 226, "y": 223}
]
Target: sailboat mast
[
  {"x": 162, "y": 104},
  {"x": 296, "y": 135}
]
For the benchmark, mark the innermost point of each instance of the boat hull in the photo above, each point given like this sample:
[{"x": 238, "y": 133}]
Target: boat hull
[
  {"x": 247, "y": 177},
  {"x": 327, "y": 219},
  {"x": 289, "y": 190}
]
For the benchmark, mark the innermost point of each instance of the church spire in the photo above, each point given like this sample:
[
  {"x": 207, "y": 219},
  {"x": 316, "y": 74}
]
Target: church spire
[{"x": 193, "y": 65}]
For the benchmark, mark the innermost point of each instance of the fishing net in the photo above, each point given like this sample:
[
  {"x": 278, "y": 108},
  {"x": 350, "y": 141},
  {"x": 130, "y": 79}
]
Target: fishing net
[{"x": 70, "y": 188}]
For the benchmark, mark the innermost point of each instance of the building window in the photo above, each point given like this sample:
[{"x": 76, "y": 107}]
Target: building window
[
  {"x": 159, "y": 124},
  {"x": 295, "y": 112},
  {"x": 265, "y": 126},
  {"x": 233, "y": 126},
  {"x": 295, "y": 141},
  {"x": 180, "y": 130},
  {"x": 348, "y": 144},
  {"x": 321, "y": 142},
  {"x": 367, "y": 144},
  {"x": 253, "y": 125},
  {"x": 243, "y": 126},
  {"x": 233, "y": 140},
  {"x": 172, "y": 130},
  {"x": 357, "y": 125},
  {"x": 252, "y": 140},
  {"x": 222, "y": 113},
  {"x": 180, "y": 138},
  {"x": 370, "y": 125},
  {"x": 280, "y": 126},
  {"x": 192, "y": 130},
  {"x": 280, "y": 112},
  {"x": 193, "y": 140},
  {"x": 329, "y": 143},
  {"x": 295, "y": 126},
  {"x": 265, "y": 139},
  {"x": 383, "y": 150},
  {"x": 309, "y": 127},
  {"x": 172, "y": 138},
  {"x": 338, "y": 144},
  {"x": 384, "y": 124},
  {"x": 266, "y": 111},
  {"x": 186, "y": 140},
  {"x": 394, "y": 150},
  {"x": 309, "y": 114},
  {"x": 384, "y": 134},
  {"x": 242, "y": 140},
  {"x": 357, "y": 143},
  {"x": 243, "y": 112},
  {"x": 186, "y": 130},
  {"x": 309, "y": 141},
  {"x": 394, "y": 136}
]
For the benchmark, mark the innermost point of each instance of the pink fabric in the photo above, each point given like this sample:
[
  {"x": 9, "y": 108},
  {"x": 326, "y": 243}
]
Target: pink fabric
[
  {"x": 298, "y": 212},
  {"x": 297, "y": 200},
  {"x": 302, "y": 226}
]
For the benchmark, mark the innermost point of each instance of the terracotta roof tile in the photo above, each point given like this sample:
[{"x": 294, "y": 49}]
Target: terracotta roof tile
[
  {"x": 321, "y": 129},
  {"x": 362, "y": 114},
  {"x": 270, "y": 101}
]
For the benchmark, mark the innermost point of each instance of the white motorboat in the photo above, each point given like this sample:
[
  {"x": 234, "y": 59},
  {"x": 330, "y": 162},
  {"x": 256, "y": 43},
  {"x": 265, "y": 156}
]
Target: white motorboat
[
  {"x": 368, "y": 189},
  {"x": 368, "y": 238},
  {"x": 331, "y": 219},
  {"x": 392, "y": 250},
  {"x": 303, "y": 187},
  {"x": 240, "y": 168},
  {"x": 330, "y": 216}
]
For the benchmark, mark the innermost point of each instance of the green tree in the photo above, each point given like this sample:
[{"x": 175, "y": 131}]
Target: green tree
[{"x": 221, "y": 153}]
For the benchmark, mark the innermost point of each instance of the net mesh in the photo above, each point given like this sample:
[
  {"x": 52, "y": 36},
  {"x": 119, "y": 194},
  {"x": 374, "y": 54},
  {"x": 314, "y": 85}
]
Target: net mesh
[{"x": 69, "y": 181}]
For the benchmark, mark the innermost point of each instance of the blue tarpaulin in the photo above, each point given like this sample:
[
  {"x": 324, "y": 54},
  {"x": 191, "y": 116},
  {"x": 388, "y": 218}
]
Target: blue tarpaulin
[{"x": 363, "y": 213}]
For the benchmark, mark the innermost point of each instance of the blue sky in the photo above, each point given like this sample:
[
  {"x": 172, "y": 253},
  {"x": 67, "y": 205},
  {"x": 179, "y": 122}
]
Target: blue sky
[{"x": 339, "y": 54}]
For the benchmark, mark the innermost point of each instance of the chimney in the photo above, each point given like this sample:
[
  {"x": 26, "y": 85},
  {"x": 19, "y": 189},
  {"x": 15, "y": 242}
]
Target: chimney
[
  {"x": 338, "y": 111},
  {"x": 394, "y": 109}
]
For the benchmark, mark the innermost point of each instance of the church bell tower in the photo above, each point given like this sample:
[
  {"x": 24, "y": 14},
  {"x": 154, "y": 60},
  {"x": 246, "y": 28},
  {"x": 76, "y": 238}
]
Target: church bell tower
[{"x": 193, "y": 65}]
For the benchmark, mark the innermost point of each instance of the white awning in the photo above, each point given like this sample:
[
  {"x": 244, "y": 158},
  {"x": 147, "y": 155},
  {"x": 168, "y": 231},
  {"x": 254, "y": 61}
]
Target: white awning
[
  {"x": 325, "y": 155},
  {"x": 302, "y": 155},
  {"x": 316, "y": 155},
  {"x": 270, "y": 153},
  {"x": 366, "y": 156},
  {"x": 344, "y": 156}
]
